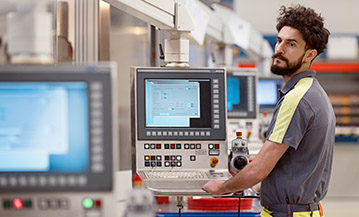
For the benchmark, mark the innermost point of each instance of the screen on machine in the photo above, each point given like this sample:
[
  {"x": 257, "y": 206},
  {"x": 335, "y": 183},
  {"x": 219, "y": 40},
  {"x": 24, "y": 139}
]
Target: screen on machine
[
  {"x": 233, "y": 92},
  {"x": 267, "y": 92},
  {"x": 44, "y": 127},
  {"x": 178, "y": 103}
]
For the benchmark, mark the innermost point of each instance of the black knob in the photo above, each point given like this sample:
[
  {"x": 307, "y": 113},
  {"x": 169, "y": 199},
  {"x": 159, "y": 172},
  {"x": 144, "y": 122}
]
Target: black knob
[{"x": 240, "y": 162}]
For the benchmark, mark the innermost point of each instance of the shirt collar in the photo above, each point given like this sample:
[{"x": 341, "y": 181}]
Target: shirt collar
[{"x": 293, "y": 81}]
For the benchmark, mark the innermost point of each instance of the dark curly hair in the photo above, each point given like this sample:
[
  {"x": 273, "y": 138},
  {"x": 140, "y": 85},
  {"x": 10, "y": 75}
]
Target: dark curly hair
[{"x": 306, "y": 21}]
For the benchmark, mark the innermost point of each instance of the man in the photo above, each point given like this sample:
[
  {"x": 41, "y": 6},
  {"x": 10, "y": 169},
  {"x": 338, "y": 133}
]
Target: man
[{"x": 294, "y": 163}]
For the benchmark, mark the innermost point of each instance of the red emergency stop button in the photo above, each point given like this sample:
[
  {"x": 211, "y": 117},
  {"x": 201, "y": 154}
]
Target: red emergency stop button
[{"x": 213, "y": 161}]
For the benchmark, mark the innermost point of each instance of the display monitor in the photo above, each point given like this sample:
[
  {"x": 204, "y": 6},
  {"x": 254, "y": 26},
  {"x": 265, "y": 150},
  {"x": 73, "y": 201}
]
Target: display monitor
[
  {"x": 267, "y": 93},
  {"x": 180, "y": 104},
  {"x": 56, "y": 128},
  {"x": 241, "y": 93}
]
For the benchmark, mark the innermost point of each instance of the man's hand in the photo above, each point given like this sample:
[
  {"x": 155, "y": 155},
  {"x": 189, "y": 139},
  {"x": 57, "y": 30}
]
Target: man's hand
[{"x": 214, "y": 187}]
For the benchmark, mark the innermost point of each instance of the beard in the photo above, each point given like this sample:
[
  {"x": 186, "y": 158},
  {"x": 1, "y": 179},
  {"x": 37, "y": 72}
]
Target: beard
[{"x": 286, "y": 70}]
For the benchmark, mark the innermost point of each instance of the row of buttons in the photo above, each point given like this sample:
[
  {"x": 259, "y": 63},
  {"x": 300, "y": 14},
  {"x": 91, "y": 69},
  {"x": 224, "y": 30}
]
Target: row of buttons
[
  {"x": 216, "y": 103},
  {"x": 156, "y": 160},
  {"x": 172, "y": 146},
  {"x": 178, "y": 133},
  {"x": 43, "y": 204},
  {"x": 43, "y": 181}
]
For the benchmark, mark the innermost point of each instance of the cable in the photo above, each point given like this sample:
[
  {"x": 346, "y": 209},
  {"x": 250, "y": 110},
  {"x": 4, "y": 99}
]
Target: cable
[{"x": 239, "y": 207}]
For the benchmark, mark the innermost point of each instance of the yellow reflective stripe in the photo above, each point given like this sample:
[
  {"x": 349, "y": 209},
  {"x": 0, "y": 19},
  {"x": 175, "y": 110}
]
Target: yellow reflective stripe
[
  {"x": 266, "y": 213},
  {"x": 287, "y": 109},
  {"x": 306, "y": 214}
]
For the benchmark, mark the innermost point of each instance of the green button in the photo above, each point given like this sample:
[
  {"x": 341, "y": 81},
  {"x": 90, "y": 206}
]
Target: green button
[
  {"x": 167, "y": 146},
  {"x": 178, "y": 146},
  {"x": 28, "y": 203},
  {"x": 87, "y": 203},
  {"x": 210, "y": 146},
  {"x": 147, "y": 146},
  {"x": 7, "y": 204}
]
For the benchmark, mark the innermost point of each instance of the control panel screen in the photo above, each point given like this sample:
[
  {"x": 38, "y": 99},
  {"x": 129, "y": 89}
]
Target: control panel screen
[
  {"x": 267, "y": 93},
  {"x": 177, "y": 103},
  {"x": 43, "y": 127},
  {"x": 233, "y": 91}
]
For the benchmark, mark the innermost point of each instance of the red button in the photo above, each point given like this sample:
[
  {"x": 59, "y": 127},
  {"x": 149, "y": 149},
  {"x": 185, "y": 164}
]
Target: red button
[
  {"x": 158, "y": 146},
  {"x": 17, "y": 203},
  {"x": 173, "y": 146},
  {"x": 98, "y": 203},
  {"x": 216, "y": 146}
]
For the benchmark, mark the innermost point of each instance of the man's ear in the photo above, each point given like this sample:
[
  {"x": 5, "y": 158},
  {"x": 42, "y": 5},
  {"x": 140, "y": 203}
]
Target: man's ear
[{"x": 311, "y": 54}]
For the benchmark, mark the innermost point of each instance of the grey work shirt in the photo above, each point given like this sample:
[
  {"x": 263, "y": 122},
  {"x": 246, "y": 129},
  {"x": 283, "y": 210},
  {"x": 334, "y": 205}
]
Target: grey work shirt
[{"x": 304, "y": 120}]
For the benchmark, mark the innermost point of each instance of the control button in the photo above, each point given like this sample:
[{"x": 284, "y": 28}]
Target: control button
[
  {"x": 17, "y": 203},
  {"x": 215, "y": 81},
  {"x": 158, "y": 146},
  {"x": 191, "y": 133},
  {"x": 208, "y": 133},
  {"x": 179, "y": 164},
  {"x": 64, "y": 204},
  {"x": 148, "y": 133},
  {"x": 159, "y": 133},
  {"x": 192, "y": 157},
  {"x": 215, "y": 86},
  {"x": 216, "y": 101},
  {"x": 173, "y": 146},
  {"x": 87, "y": 203},
  {"x": 153, "y": 146},
  {"x": 153, "y": 157},
  {"x": 153, "y": 164},
  {"x": 147, "y": 164},
  {"x": 173, "y": 157},
  {"x": 193, "y": 146},
  {"x": 203, "y": 133},
  {"x": 167, "y": 157},
  {"x": 6, "y": 204},
  {"x": 175, "y": 133},
  {"x": 210, "y": 146},
  {"x": 167, "y": 164},
  {"x": 216, "y": 111},
  {"x": 178, "y": 146},
  {"x": 98, "y": 203},
  {"x": 179, "y": 157},
  {"x": 216, "y": 126},
  {"x": 173, "y": 164},
  {"x": 159, "y": 164},
  {"x": 216, "y": 146},
  {"x": 213, "y": 152},
  {"x": 216, "y": 121},
  {"x": 186, "y": 133},
  {"x": 216, "y": 116},
  {"x": 147, "y": 157},
  {"x": 180, "y": 133},
  {"x": 154, "y": 133},
  {"x": 213, "y": 161},
  {"x": 215, "y": 96},
  {"x": 167, "y": 146},
  {"x": 164, "y": 133},
  {"x": 196, "y": 133},
  {"x": 198, "y": 146},
  {"x": 43, "y": 204},
  {"x": 159, "y": 157},
  {"x": 169, "y": 133},
  {"x": 186, "y": 146}
]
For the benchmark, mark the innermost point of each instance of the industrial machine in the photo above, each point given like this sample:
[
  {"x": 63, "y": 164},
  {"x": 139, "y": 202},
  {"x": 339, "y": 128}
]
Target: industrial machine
[
  {"x": 179, "y": 124},
  {"x": 58, "y": 144}
]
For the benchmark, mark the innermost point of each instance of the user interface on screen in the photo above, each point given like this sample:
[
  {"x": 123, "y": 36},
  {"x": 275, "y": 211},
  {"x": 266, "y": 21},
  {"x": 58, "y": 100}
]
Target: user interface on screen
[
  {"x": 178, "y": 103},
  {"x": 43, "y": 127},
  {"x": 267, "y": 92},
  {"x": 233, "y": 92}
]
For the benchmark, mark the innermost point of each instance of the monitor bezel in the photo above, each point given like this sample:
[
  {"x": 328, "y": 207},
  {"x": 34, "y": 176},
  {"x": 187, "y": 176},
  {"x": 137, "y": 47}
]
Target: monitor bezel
[{"x": 187, "y": 73}]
